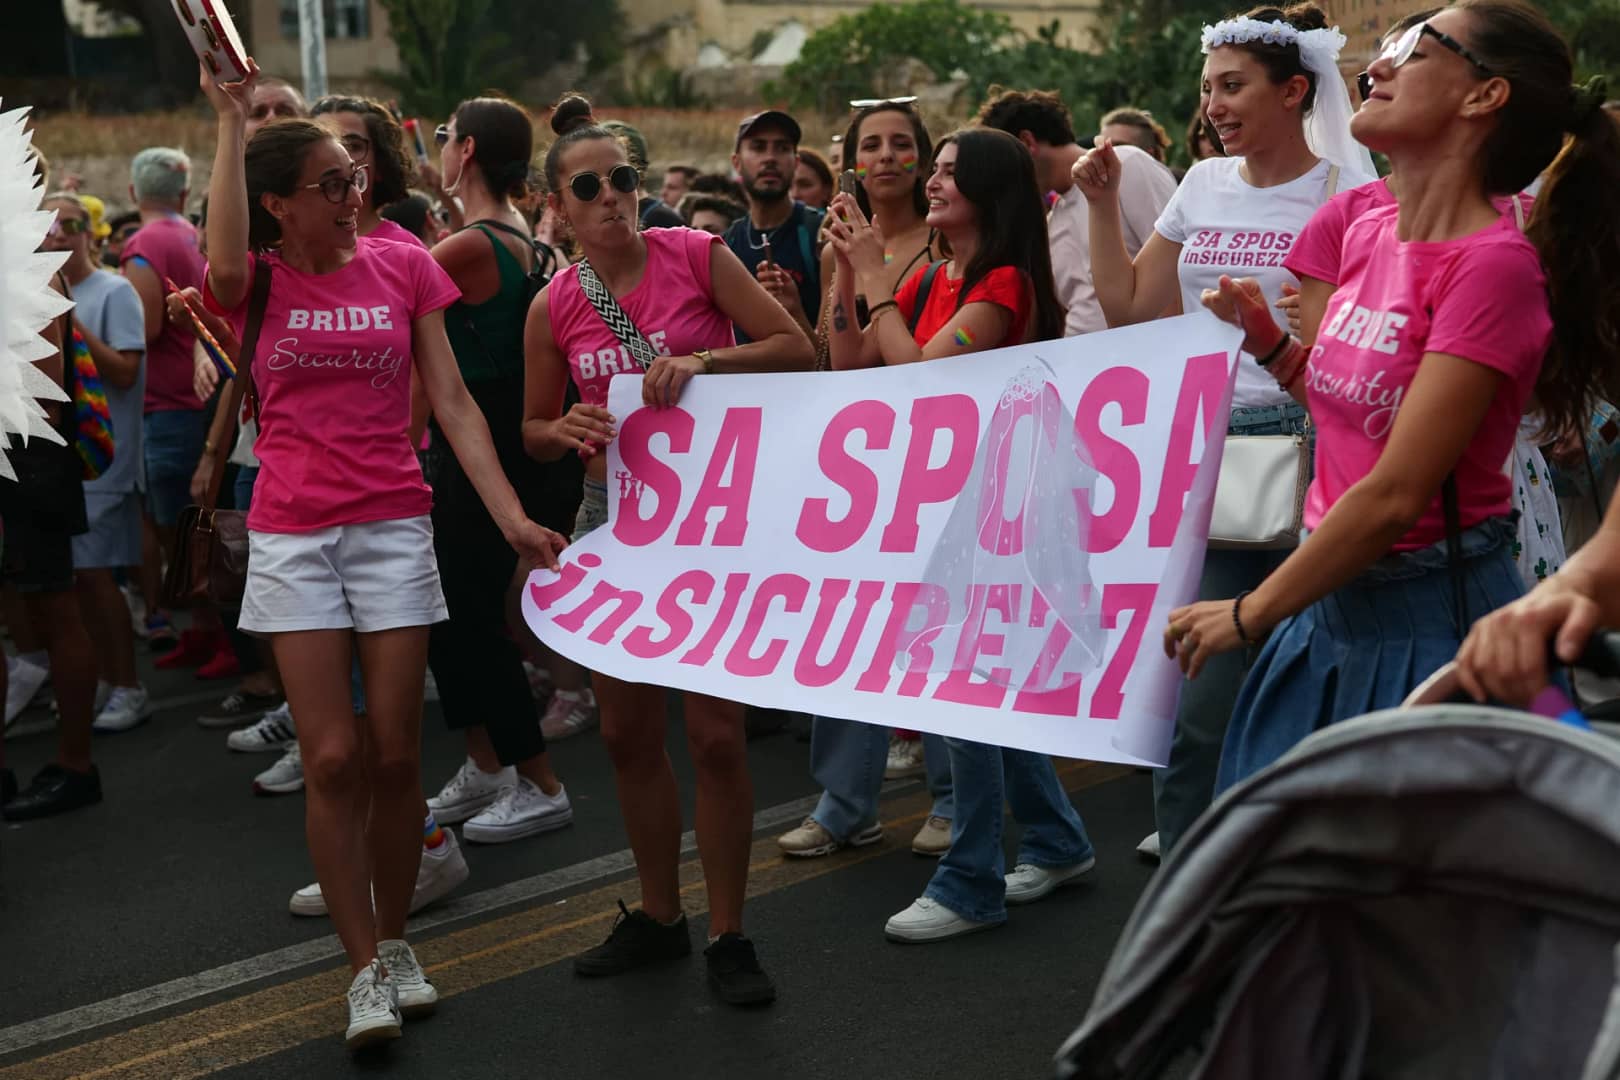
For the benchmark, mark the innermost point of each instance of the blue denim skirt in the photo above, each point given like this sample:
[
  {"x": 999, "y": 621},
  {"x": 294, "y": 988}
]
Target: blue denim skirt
[{"x": 1364, "y": 647}]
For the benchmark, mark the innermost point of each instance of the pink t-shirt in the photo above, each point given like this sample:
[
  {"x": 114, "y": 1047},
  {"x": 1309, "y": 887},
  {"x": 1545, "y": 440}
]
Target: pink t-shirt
[
  {"x": 1481, "y": 297},
  {"x": 673, "y": 306},
  {"x": 393, "y": 230},
  {"x": 169, "y": 247},
  {"x": 1320, "y": 246},
  {"x": 333, "y": 374}
]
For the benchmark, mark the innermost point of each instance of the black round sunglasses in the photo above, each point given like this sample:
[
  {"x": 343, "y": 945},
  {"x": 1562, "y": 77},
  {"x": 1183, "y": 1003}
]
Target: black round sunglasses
[{"x": 586, "y": 186}]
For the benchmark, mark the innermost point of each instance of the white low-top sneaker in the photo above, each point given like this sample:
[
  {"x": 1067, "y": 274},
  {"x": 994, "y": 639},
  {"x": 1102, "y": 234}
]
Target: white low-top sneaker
[
  {"x": 1028, "y": 883},
  {"x": 521, "y": 810},
  {"x": 414, "y": 993},
  {"x": 469, "y": 791},
  {"x": 926, "y": 920},
  {"x": 284, "y": 777},
  {"x": 274, "y": 730},
  {"x": 24, "y": 681},
  {"x": 442, "y": 870},
  {"x": 1149, "y": 848},
  {"x": 568, "y": 713},
  {"x": 127, "y": 707},
  {"x": 373, "y": 1009}
]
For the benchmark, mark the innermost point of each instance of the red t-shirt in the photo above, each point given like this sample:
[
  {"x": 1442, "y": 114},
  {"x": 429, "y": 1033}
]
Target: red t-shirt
[
  {"x": 169, "y": 247},
  {"x": 1005, "y": 286}
]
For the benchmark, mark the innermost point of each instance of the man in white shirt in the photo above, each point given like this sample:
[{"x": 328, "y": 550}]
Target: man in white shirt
[{"x": 1041, "y": 122}]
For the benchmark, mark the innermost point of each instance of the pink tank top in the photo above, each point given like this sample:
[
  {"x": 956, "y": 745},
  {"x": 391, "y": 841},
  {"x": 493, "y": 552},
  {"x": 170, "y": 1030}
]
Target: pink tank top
[{"x": 673, "y": 307}]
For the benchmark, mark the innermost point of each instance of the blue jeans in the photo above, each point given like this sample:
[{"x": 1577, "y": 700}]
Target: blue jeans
[
  {"x": 172, "y": 445},
  {"x": 970, "y": 879},
  {"x": 847, "y": 759},
  {"x": 1184, "y": 788}
]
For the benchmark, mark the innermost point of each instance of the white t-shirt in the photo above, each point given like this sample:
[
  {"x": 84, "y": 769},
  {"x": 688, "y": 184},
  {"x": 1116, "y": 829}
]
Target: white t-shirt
[
  {"x": 1145, "y": 189},
  {"x": 1225, "y": 225}
]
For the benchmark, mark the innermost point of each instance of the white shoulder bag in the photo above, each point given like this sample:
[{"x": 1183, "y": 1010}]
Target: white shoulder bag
[{"x": 1260, "y": 496}]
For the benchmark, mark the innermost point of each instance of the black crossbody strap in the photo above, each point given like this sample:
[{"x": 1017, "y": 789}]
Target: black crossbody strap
[
  {"x": 607, "y": 306},
  {"x": 924, "y": 287},
  {"x": 242, "y": 385}
]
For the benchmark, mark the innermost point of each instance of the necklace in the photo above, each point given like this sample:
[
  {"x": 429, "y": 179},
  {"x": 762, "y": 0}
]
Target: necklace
[{"x": 766, "y": 236}]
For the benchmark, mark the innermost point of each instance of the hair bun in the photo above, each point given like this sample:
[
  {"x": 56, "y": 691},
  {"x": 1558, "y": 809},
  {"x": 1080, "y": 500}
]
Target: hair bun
[
  {"x": 573, "y": 111},
  {"x": 1303, "y": 17}
]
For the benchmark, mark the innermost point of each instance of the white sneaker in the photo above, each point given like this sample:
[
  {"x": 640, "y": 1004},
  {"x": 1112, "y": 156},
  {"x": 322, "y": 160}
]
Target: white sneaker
[
  {"x": 521, "y": 810},
  {"x": 1149, "y": 848},
  {"x": 373, "y": 1008},
  {"x": 274, "y": 731},
  {"x": 127, "y": 707},
  {"x": 926, "y": 921},
  {"x": 25, "y": 679},
  {"x": 905, "y": 759},
  {"x": 469, "y": 791},
  {"x": 414, "y": 993},
  {"x": 1028, "y": 883},
  {"x": 284, "y": 777},
  {"x": 441, "y": 871},
  {"x": 569, "y": 713}
]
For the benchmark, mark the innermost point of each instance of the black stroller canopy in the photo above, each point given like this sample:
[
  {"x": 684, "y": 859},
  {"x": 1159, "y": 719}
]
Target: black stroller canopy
[{"x": 1428, "y": 893}]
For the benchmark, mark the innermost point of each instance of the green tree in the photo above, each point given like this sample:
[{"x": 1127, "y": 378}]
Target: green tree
[{"x": 450, "y": 50}]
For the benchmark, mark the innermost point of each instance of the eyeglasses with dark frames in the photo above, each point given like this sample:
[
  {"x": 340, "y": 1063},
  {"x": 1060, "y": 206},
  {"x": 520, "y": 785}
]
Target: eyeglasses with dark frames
[{"x": 336, "y": 188}]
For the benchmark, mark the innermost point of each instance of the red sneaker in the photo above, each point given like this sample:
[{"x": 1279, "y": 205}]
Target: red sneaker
[
  {"x": 222, "y": 665},
  {"x": 194, "y": 648}
]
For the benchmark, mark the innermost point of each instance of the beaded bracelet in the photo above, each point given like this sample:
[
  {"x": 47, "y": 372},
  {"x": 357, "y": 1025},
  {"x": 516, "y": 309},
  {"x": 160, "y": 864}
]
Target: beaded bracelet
[
  {"x": 1290, "y": 364},
  {"x": 1237, "y": 619},
  {"x": 1276, "y": 350}
]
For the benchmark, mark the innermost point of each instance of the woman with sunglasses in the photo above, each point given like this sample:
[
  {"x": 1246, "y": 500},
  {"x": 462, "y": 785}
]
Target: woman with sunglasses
[
  {"x": 340, "y": 539},
  {"x": 506, "y": 788},
  {"x": 996, "y": 290},
  {"x": 1446, "y": 321},
  {"x": 888, "y": 142},
  {"x": 1274, "y": 97},
  {"x": 684, "y": 289}
]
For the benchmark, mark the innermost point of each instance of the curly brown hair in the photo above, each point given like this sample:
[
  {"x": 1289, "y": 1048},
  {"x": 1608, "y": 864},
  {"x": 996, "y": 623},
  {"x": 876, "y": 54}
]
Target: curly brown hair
[{"x": 392, "y": 170}]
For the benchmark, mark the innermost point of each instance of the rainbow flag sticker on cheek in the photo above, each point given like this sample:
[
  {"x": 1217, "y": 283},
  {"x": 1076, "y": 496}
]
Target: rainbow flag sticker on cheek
[
  {"x": 860, "y": 172},
  {"x": 963, "y": 337},
  {"x": 909, "y": 165}
]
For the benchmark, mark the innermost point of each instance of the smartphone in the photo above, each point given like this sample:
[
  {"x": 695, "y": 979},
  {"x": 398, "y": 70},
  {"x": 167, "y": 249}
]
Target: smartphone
[{"x": 846, "y": 182}]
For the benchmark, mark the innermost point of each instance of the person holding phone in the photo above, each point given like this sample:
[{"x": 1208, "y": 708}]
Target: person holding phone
[{"x": 778, "y": 240}]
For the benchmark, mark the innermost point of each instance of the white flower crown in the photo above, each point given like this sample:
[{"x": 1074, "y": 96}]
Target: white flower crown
[{"x": 1241, "y": 31}]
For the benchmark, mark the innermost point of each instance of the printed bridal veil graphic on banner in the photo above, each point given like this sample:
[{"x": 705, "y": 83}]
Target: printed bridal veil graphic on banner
[{"x": 987, "y": 547}]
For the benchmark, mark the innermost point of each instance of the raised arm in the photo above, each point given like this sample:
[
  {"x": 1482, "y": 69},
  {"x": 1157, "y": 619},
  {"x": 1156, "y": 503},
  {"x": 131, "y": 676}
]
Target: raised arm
[
  {"x": 1128, "y": 291},
  {"x": 228, "y": 263}
]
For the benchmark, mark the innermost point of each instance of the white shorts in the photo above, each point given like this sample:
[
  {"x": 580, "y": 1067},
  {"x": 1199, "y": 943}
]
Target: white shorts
[{"x": 378, "y": 575}]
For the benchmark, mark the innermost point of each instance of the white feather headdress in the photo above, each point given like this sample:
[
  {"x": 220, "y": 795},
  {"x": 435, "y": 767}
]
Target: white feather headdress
[{"x": 27, "y": 301}]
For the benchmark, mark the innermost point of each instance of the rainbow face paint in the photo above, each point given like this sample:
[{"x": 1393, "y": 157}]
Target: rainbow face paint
[
  {"x": 860, "y": 172},
  {"x": 963, "y": 337},
  {"x": 908, "y": 165}
]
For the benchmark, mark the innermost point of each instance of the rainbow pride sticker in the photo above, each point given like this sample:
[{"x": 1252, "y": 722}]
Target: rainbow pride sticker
[
  {"x": 860, "y": 172},
  {"x": 963, "y": 337},
  {"x": 908, "y": 165}
]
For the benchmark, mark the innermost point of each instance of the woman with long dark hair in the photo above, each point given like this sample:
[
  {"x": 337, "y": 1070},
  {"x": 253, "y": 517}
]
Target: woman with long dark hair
[
  {"x": 1446, "y": 320},
  {"x": 995, "y": 290},
  {"x": 685, "y": 289},
  {"x": 341, "y": 552},
  {"x": 890, "y": 149}
]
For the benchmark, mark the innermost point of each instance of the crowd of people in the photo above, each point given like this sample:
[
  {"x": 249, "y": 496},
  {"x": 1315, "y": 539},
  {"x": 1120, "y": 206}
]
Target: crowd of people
[{"x": 427, "y": 341}]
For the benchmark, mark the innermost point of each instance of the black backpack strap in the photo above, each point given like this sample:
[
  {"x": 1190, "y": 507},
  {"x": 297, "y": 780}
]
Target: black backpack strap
[{"x": 924, "y": 287}]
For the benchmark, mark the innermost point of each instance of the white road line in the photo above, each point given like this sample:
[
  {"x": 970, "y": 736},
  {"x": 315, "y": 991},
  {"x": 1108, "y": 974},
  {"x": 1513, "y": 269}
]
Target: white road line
[{"x": 127, "y": 1007}]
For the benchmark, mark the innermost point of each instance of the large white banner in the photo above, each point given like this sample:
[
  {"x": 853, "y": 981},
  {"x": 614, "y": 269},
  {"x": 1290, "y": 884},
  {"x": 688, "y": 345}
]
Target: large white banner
[{"x": 986, "y": 547}]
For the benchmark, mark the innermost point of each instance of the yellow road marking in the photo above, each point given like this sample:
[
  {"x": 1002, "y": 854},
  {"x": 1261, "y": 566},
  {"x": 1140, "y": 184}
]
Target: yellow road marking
[{"x": 264, "y": 1022}]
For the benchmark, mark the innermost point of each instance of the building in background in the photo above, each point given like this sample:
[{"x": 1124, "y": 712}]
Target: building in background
[
  {"x": 357, "y": 41},
  {"x": 1364, "y": 22}
]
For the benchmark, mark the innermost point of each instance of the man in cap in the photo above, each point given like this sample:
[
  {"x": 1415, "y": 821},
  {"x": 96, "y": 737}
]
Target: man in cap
[{"x": 777, "y": 240}]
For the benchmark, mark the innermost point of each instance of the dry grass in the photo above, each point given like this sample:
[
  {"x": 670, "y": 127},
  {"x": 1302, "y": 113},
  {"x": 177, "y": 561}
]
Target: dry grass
[{"x": 99, "y": 148}]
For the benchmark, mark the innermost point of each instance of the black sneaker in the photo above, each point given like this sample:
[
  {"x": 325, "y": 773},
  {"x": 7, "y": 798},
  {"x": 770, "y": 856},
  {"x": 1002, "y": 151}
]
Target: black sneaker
[
  {"x": 54, "y": 790},
  {"x": 638, "y": 940},
  {"x": 735, "y": 974},
  {"x": 238, "y": 710}
]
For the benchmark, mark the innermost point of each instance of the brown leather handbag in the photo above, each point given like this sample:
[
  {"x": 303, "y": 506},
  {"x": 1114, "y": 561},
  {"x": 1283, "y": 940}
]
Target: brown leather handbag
[{"x": 211, "y": 545}]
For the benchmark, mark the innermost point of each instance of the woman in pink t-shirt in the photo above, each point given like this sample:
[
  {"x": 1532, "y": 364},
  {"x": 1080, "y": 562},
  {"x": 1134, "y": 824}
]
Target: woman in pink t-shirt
[
  {"x": 683, "y": 290},
  {"x": 341, "y": 549},
  {"x": 1447, "y": 318}
]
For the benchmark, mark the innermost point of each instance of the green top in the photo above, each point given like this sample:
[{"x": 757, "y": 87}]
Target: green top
[{"x": 488, "y": 337}]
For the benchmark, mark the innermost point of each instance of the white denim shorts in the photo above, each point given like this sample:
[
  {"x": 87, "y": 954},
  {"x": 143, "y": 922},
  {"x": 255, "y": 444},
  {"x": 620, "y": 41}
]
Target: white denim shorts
[{"x": 378, "y": 575}]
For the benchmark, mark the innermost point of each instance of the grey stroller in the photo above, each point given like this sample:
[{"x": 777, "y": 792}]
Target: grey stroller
[{"x": 1427, "y": 893}]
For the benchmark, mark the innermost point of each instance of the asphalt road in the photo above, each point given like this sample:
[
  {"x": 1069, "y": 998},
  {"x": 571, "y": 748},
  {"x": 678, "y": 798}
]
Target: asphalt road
[{"x": 149, "y": 936}]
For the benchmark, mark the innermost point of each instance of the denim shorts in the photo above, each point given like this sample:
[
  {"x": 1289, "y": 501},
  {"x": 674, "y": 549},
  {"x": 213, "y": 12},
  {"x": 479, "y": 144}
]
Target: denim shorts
[
  {"x": 173, "y": 446},
  {"x": 593, "y": 509}
]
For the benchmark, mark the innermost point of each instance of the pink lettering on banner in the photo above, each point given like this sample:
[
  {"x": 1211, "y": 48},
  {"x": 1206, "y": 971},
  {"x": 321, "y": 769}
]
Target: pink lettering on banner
[
  {"x": 635, "y": 437},
  {"x": 1203, "y": 388},
  {"x": 816, "y": 529},
  {"x": 1038, "y": 695},
  {"x": 640, "y": 641},
  {"x": 999, "y": 534},
  {"x": 906, "y": 598},
  {"x": 1117, "y": 600},
  {"x": 737, "y": 451},
  {"x": 625, "y": 604},
  {"x": 793, "y": 590},
  {"x": 701, "y": 653},
  {"x": 974, "y": 642},
  {"x": 809, "y": 670},
  {"x": 568, "y": 578},
  {"x": 958, "y": 416},
  {"x": 1128, "y": 388}
]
